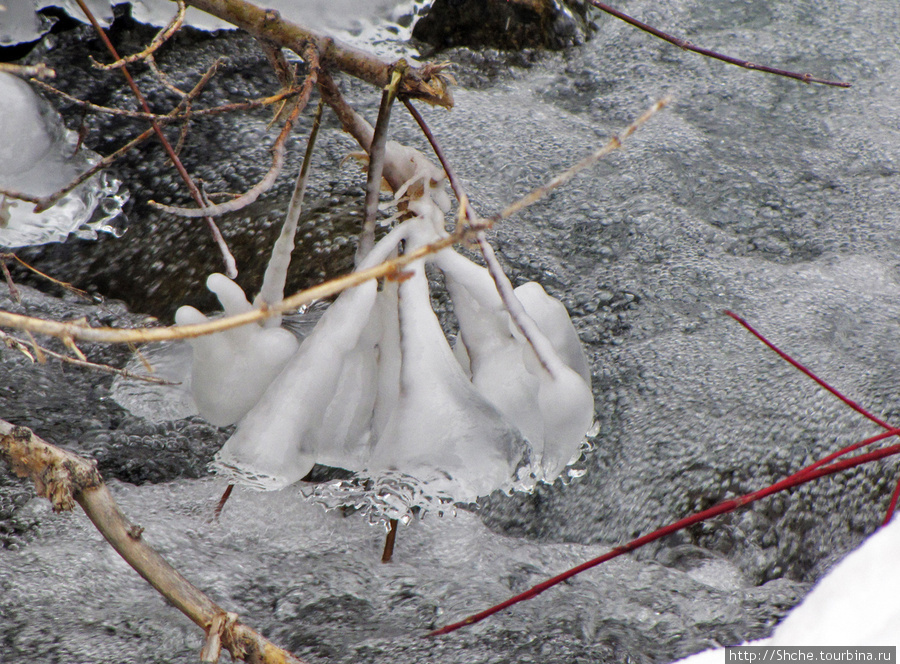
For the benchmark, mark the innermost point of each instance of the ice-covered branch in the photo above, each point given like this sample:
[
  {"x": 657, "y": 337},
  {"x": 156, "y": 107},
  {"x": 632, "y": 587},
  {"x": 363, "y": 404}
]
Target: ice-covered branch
[{"x": 66, "y": 479}]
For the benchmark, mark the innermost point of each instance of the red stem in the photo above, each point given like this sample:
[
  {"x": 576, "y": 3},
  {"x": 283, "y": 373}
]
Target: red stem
[
  {"x": 794, "y": 363},
  {"x": 195, "y": 192},
  {"x": 803, "y": 476},
  {"x": 688, "y": 46}
]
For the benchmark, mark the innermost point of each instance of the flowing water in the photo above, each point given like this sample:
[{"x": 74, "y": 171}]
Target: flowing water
[{"x": 766, "y": 196}]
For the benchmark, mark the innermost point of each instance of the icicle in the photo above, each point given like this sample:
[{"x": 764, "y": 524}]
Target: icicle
[
  {"x": 231, "y": 370},
  {"x": 549, "y": 400}
]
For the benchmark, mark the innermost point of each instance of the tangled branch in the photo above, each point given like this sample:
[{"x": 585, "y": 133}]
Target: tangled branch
[{"x": 392, "y": 267}]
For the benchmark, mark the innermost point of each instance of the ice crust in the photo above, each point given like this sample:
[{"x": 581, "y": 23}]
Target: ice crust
[{"x": 37, "y": 158}]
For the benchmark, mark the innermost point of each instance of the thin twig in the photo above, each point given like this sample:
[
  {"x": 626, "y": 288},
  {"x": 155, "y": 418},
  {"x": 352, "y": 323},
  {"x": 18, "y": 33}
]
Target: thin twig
[
  {"x": 614, "y": 144},
  {"x": 40, "y": 351},
  {"x": 13, "y": 291},
  {"x": 389, "y": 541},
  {"x": 65, "y": 478},
  {"x": 688, "y": 46},
  {"x": 228, "y": 259},
  {"x": 798, "y": 478},
  {"x": 161, "y": 37},
  {"x": 39, "y": 70},
  {"x": 268, "y": 179},
  {"x": 64, "y": 284},
  {"x": 821, "y": 383}
]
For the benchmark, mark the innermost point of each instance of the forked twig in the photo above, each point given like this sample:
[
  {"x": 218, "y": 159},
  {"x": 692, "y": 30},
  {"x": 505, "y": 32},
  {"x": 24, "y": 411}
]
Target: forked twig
[
  {"x": 228, "y": 259},
  {"x": 65, "y": 479},
  {"x": 803, "y": 476},
  {"x": 271, "y": 175},
  {"x": 40, "y": 351},
  {"x": 161, "y": 37},
  {"x": 825, "y": 466},
  {"x": 688, "y": 46}
]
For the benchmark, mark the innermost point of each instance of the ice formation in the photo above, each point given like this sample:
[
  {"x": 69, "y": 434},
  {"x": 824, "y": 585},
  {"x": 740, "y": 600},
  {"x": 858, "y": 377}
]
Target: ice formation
[
  {"x": 377, "y": 389},
  {"x": 37, "y": 158}
]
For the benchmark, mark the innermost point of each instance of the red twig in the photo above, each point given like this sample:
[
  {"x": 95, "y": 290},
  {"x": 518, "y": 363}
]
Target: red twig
[
  {"x": 794, "y": 363},
  {"x": 231, "y": 268},
  {"x": 892, "y": 507},
  {"x": 688, "y": 46},
  {"x": 803, "y": 476}
]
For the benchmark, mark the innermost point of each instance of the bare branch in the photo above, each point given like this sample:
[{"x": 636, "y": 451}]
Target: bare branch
[
  {"x": 389, "y": 268},
  {"x": 376, "y": 162},
  {"x": 424, "y": 83},
  {"x": 268, "y": 179},
  {"x": 227, "y": 258},
  {"x": 40, "y": 351},
  {"x": 65, "y": 478},
  {"x": 688, "y": 46}
]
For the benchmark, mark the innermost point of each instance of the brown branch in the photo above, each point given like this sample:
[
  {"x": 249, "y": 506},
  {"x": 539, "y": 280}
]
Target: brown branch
[
  {"x": 355, "y": 125},
  {"x": 688, "y": 46},
  {"x": 65, "y": 479},
  {"x": 426, "y": 83},
  {"x": 161, "y": 37},
  {"x": 376, "y": 162}
]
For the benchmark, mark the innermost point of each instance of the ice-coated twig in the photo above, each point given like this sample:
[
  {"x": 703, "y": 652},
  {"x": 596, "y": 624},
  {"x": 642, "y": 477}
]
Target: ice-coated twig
[
  {"x": 272, "y": 290},
  {"x": 376, "y": 162},
  {"x": 803, "y": 476},
  {"x": 161, "y": 37},
  {"x": 65, "y": 479},
  {"x": 688, "y": 46},
  {"x": 325, "y": 289}
]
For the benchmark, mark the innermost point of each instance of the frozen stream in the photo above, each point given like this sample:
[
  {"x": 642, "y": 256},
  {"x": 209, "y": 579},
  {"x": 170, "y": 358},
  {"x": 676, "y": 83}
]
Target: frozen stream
[{"x": 762, "y": 195}]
